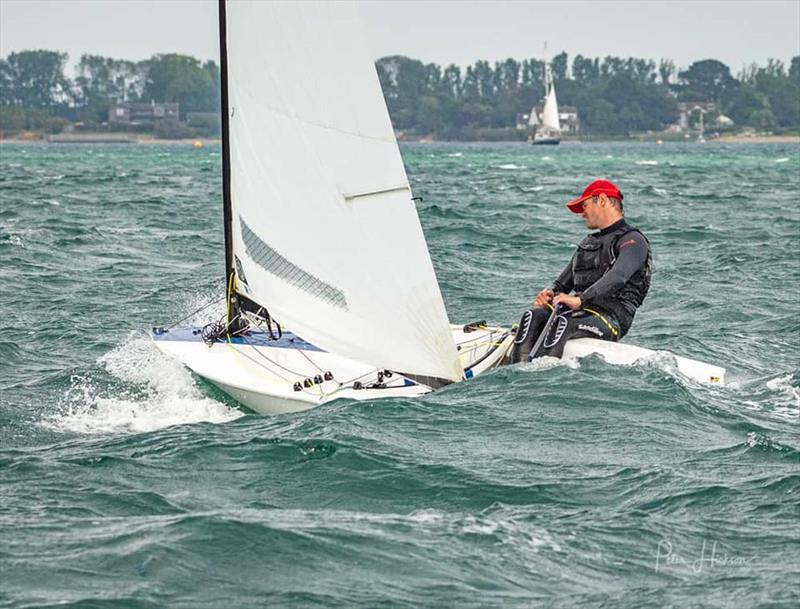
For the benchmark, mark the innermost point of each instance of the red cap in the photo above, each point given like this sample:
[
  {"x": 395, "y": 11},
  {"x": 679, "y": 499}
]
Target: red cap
[{"x": 598, "y": 187}]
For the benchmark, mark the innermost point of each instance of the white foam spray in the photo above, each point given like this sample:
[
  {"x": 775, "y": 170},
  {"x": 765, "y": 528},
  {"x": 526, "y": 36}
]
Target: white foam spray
[{"x": 156, "y": 392}]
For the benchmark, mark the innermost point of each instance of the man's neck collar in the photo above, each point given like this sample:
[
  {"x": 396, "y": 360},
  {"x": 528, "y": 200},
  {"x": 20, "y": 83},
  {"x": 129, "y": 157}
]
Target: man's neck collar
[{"x": 612, "y": 227}]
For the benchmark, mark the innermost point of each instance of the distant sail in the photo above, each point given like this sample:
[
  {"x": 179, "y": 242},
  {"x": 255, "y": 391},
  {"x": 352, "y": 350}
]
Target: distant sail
[
  {"x": 550, "y": 112},
  {"x": 532, "y": 119},
  {"x": 325, "y": 233}
]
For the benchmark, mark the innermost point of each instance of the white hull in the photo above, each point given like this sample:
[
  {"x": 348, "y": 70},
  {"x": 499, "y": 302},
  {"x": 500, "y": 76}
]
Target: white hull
[
  {"x": 262, "y": 373},
  {"x": 628, "y": 355}
]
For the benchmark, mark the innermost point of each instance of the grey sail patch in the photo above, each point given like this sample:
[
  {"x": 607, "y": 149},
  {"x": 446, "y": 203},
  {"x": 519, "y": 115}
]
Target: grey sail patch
[
  {"x": 272, "y": 262},
  {"x": 240, "y": 272}
]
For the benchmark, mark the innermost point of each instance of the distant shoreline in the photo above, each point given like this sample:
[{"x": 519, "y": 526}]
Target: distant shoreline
[
  {"x": 96, "y": 138},
  {"x": 758, "y": 139},
  {"x": 103, "y": 138},
  {"x": 186, "y": 141}
]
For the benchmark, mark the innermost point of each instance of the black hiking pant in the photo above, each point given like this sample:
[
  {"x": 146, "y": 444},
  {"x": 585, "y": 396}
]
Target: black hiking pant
[{"x": 569, "y": 324}]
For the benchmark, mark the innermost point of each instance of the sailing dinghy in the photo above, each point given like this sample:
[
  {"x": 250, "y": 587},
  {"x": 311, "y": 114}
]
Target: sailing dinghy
[{"x": 321, "y": 231}]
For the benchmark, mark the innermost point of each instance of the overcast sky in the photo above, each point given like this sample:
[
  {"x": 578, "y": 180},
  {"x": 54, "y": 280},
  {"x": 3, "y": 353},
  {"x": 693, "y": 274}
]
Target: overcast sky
[{"x": 736, "y": 32}]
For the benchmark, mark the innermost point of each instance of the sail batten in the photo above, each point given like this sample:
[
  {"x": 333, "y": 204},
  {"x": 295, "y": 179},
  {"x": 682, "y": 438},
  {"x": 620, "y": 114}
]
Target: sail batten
[
  {"x": 371, "y": 193},
  {"x": 295, "y": 117},
  {"x": 310, "y": 141}
]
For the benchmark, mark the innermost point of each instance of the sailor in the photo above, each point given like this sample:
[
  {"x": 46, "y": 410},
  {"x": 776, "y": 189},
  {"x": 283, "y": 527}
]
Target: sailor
[{"x": 598, "y": 292}]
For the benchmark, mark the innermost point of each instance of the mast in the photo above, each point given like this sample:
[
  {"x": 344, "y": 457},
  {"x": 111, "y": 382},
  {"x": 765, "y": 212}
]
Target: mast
[
  {"x": 548, "y": 75},
  {"x": 550, "y": 122},
  {"x": 233, "y": 302}
]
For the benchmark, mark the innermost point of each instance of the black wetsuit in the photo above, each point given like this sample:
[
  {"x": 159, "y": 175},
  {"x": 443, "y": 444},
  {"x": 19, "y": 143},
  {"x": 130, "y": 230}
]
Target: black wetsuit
[{"x": 611, "y": 272}]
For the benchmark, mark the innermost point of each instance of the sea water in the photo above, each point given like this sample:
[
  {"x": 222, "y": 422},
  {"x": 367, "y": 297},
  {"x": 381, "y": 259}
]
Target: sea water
[{"x": 127, "y": 482}]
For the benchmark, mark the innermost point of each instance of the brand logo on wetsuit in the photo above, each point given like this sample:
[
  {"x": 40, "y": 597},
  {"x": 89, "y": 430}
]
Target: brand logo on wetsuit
[{"x": 592, "y": 329}]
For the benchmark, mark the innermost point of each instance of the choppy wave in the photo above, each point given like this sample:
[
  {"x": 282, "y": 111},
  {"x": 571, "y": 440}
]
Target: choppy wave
[{"x": 787, "y": 386}]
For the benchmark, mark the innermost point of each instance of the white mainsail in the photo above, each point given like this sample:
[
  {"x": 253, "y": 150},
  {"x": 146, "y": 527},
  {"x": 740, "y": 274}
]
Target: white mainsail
[{"x": 325, "y": 234}]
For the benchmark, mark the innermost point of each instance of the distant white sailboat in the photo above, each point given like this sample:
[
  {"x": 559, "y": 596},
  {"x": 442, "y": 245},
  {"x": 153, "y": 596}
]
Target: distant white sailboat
[{"x": 549, "y": 131}]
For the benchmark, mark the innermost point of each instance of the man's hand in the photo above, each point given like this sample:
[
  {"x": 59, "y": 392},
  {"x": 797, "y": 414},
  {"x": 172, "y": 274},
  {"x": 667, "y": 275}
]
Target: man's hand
[
  {"x": 573, "y": 302},
  {"x": 543, "y": 298}
]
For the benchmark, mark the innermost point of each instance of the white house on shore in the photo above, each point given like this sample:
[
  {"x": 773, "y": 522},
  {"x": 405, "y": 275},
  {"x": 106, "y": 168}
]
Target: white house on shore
[
  {"x": 135, "y": 112},
  {"x": 700, "y": 116}
]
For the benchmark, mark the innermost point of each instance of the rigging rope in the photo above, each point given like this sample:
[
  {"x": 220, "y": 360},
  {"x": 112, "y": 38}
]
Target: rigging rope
[
  {"x": 193, "y": 313},
  {"x": 215, "y": 330}
]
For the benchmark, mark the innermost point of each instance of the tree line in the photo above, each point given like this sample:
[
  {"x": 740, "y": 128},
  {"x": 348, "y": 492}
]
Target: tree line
[
  {"x": 614, "y": 95},
  {"x": 36, "y": 94}
]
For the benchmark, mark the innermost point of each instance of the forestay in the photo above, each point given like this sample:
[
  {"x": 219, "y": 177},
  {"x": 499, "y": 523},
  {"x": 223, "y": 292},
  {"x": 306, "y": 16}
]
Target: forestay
[{"x": 325, "y": 234}]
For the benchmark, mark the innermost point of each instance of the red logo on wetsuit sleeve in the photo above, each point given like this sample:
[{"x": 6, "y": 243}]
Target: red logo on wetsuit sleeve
[{"x": 628, "y": 242}]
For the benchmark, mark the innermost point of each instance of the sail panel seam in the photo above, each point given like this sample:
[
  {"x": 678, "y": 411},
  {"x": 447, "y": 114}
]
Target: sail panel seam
[{"x": 311, "y": 123}]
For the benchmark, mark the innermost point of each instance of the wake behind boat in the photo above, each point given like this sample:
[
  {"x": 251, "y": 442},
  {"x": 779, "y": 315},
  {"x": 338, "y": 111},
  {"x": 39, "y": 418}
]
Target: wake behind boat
[{"x": 321, "y": 232}]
